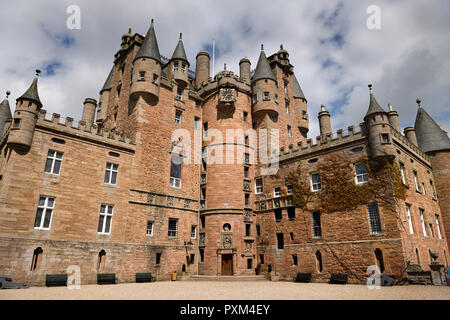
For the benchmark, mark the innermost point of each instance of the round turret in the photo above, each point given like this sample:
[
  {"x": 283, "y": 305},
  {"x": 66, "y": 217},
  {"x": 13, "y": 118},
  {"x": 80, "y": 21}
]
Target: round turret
[
  {"x": 393, "y": 118},
  {"x": 147, "y": 69},
  {"x": 90, "y": 106},
  {"x": 25, "y": 116},
  {"x": 324, "y": 122},
  {"x": 202, "y": 68},
  {"x": 179, "y": 65},
  {"x": 244, "y": 70}
]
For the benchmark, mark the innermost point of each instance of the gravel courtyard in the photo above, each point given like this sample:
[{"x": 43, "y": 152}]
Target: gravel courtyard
[{"x": 236, "y": 290}]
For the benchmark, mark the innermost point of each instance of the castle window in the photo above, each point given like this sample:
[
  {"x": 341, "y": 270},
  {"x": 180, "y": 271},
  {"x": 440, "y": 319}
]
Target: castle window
[
  {"x": 403, "y": 172},
  {"x": 289, "y": 131},
  {"x": 319, "y": 261},
  {"x": 246, "y": 140},
  {"x": 431, "y": 230},
  {"x": 258, "y": 230},
  {"x": 158, "y": 258},
  {"x": 247, "y": 199},
  {"x": 245, "y": 116},
  {"x": 316, "y": 185},
  {"x": 202, "y": 255},
  {"x": 423, "y": 189},
  {"x": 433, "y": 194},
  {"x": 173, "y": 228},
  {"x": 180, "y": 94},
  {"x": 205, "y": 129},
  {"x": 119, "y": 88},
  {"x": 291, "y": 213},
  {"x": 289, "y": 189},
  {"x": 193, "y": 232},
  {"x": 247, "y": 230},
  {"x": 379, "y": 259},
  {"x": 294, "y": 260},
  {"x": 278, "y": 215},
  {"x": 418, "y": 256},
  {"x": 258, "y": 185},
  {"x": 304, "y": 115},
  {"x": 178, "y": 116},
  {"x": 246, "y": 172},
  {"x": 141, "y": 76},
  {"x": 291, "y": 234},
  {"x": 192, "y": 259},
  {"x": 111, "y": 173},
  {"x": 285, "y": 87},
  {"x": 183, "y": 67},
  {"x": 261, "y": 258},
  {"x": 266, "y": 96},
  {"x": 37, "y": 256},
  {"x": 175, "y": 170},
  {"x": 374, "y": 218},
  {"x": 280, "y": 241},
  {"x": 287, "y": 107},
  {"x": 255, "y": 98},
  {"x": 246, "y": 158},
  {"x": 202, "y": 219},
  {"x": 101, "y": 260},
  {"x": 422, "y": 220},
  {"x": 317, "y": 228},
  {"x": 44, "y": 213},
  {"x": 277, "y": 192},
  {"x": 385, "y": 138},
  {"x": 249, "y": 263},
  {"x": 175, "y": 66},
  {"x": 438, "y": 226},
  {"x": 16, "y": 124},
  {"x": 149, "y": 228},
  {"x": 104, "y": 221},
  {"x": 416, "y": 181},
  {"x": 53, "y": 163},
  {"x": 155, "y": 78},
  {"x": 362, "y": 176},
  {"x": 410, "y": 223},
  {"x": 197, "y": 123}
]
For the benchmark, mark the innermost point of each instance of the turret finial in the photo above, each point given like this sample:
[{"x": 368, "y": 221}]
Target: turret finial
[
  {"x": 152, "y": 20},
  {"x": 390, "y": 106},
  {"x": 419, "y": 101},
  {"x": 181, "y": 35},
  {"x": 262, "y": 47},
  {"x": 129, "y": 30},
  {"x": 322, "y": 107},
  {"x": 38, "y": 72},
  {"x": 370, "y": 87},
  {"x": 281, "y": 46},
  {"x": 8, "y": 93},
  {"x": 224, "y": 66}
]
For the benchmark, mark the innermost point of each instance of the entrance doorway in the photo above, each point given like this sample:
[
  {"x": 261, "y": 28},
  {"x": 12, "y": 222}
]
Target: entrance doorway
[{"x": 227, "y": 265}]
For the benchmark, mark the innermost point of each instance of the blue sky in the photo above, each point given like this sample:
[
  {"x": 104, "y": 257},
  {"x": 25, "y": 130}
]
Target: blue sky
[{"x": 334, "y": 54}]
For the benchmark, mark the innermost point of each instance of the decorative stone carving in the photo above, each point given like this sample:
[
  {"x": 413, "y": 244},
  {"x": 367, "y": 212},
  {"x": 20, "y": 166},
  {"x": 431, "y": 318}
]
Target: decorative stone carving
[
  {"x": 187, "y": 203},
  {"x": 170, "y": 201},
  {"x": 226, "y": 240},
  {"x": 202, "y": 239},
  {"x": 262, "y": 205},
  {"x": 247, "y": 215},
  {"x": 151, "y": 198},
  {"x": 248, "y": 247},
  {"x": 276, "y": 203},
  {"x": 247, "y": 186}
]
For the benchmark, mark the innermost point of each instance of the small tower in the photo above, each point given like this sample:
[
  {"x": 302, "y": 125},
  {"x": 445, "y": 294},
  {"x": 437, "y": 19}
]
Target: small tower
[
  {"x": 393, "y": 118},
  {"x": 324, "y": 122},
  {"x": 379, "y": 132},
  {"x": 436, "y": 144},
  {"x": 300, "y": 104},
  {"x": 264, "y": 88},
  {"x": 283, "y": 56},
  {"x": 147, "y": 69},
  {"x": 89, "y": 108},
  {"x": 244, "y": 70},
  {"x": 202, "y": 68},
  {"x": 179, "y": 65},
  {"x": 104, "y": 98},
  {"x": 5, "y": 113},
  {"x": 25, "y": 117}
]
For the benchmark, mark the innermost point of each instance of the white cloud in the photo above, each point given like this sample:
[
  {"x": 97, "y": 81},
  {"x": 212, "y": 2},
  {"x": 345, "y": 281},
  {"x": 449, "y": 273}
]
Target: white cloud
[{"x": 407, "y": 58}]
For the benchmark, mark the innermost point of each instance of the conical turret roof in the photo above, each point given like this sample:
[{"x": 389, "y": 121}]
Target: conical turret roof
[
  {"x": 149, "y": 47},
  {"x": 179, "y": 53},
  {"x": 263, "y": 69},
  {"x": 108, "y": 82},
  {"x": 374, "y": 106},
  {"x": 32, "y": 92},
  {"x": 430, "y": 136},
  {"x": 297, "y": 90},
  {"x": 5, "y": 114}
]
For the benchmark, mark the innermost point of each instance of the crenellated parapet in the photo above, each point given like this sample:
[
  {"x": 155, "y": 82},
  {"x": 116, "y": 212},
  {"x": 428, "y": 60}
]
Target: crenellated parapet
[{"x": 83, "y": 131}]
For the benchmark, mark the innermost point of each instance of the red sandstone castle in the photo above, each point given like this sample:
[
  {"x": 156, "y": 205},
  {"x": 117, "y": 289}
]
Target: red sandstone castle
[{"x": 116, "y": 193}]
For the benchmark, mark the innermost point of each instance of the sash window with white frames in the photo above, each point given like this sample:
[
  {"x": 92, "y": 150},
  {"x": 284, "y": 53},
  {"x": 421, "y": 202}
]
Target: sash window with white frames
[
  {"x": 422, "y": 220},
  {"x": 44, "y": 213},
  {"x": 111, "y": 173},
  {"x": 258, "y": 186},
  {"x": 53, "y": 163},
  {"x": 175, "y": 170},
  {"x": 183, "y": 67},
  {"x": 416, "y": 181},
  {"x": 410, "y": 223},
  {"x": 277, "y": 192},
  {"x": 316, "y": 185},
  {"x": 179, "y": 94},
  {"x": 193, "y": 232},
  {"x": 403, "y": 172},
  {"x": 289, "y": 189},
  {"x": 104, "y": 221},
  {"x": 149, "y": 228},
  {"x": 317, "y": 228},
  {"x": 178, "y": 116},
  {"x": 362, "y": 176},
  {"x": 175, "y": 66},
  {"x": 173, "y": 228}
]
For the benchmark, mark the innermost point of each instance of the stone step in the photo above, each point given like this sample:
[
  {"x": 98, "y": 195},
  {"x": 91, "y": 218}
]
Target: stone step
[{"x": 227, "y": 278}]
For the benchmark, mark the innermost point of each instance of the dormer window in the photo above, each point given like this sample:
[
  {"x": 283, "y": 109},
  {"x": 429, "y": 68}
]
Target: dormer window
[{"x": 175, "y": 66}]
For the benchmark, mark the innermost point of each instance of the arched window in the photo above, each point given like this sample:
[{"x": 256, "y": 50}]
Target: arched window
[
  {"x": 37, "y": 256},
  {"x": 101, "y": 260},
  {"x": 379, "y": 259},
  {"x": 319, "y": 261}
]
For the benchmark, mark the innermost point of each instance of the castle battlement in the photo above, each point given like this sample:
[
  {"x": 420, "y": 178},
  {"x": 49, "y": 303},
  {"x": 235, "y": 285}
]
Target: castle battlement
[{"x": 83, "y": 130}]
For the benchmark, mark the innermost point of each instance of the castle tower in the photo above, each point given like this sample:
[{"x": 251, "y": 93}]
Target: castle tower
[
  {"x": 5, "y": 114},
  {"x": 179, "y": 65},
  {"x": 104, "y": 98},
  {"x": 410, "y": 134},
  {"x": 376, "y": 119},
  {"x": 436, "y": 144},
  {"x": 393, "y": 118},
  {"x": 202, "y": 68},
  {"x": 300, "y": 104},
  {"x": 25, "y": 116},
  {"x": 324, "y": 122},
  {"x": 244, "y": 70},
  {"x": 89, "y": 109},
  {"x": 147, "y": 69}
]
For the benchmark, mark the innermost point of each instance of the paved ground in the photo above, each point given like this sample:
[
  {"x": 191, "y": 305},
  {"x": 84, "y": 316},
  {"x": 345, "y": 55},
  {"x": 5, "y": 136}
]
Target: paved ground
[{"x": 237, "y": 290}]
